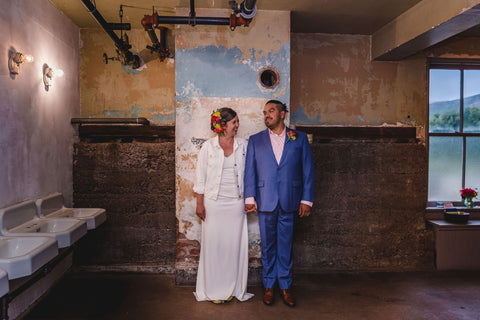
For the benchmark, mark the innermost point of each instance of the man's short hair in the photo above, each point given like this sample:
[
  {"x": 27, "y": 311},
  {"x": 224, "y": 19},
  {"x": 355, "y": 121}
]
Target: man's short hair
[{"x": 279, "y": 105}]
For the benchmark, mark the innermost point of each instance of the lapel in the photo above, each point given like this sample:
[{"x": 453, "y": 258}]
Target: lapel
[
  {"x": 286, "y": 147},
  {"x": 267, "y": 142}
]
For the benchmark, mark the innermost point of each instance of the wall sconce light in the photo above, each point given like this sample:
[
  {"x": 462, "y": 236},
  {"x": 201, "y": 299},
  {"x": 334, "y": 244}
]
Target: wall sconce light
[
  {"x": 17, "y": 58},
  {"x": 49, "y": 74}
]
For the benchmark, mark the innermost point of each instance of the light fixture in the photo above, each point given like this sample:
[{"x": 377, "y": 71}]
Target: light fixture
[
  {"x": 17, "y": 58},
  {"x": 49, "y": 74}
]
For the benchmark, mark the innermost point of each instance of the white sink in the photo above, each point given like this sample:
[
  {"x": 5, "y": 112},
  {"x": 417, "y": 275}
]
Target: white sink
[
  {"x": 4, "y": 287},
  {"x": 22, "y": 256},
  {"x": 22, "y": 220},
  {"x": 52, "y": 207}
]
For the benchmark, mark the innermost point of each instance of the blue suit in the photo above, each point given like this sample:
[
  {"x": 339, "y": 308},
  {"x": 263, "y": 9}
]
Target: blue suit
[{"x": 278, "y": 189}]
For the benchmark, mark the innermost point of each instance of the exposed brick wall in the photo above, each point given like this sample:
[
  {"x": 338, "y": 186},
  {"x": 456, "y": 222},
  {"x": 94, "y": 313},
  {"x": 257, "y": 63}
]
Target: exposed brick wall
[
  {"x": 135, "y": 183},
  {"x": 369, "y": 209},
  {"x": 368, "y": 213}
]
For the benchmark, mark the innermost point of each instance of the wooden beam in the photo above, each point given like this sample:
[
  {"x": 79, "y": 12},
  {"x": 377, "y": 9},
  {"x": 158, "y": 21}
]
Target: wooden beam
[
  {"x": 333, "y": 133},
  {"x": 125, "y": 133},
  {"x": 424, "y": 25}
]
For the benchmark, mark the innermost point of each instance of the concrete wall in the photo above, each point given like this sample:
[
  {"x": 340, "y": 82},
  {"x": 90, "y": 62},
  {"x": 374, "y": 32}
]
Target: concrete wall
[
  {"x": 115, "y": 91},
  {"x": 334, "y": 82},
  {"x": 36, "y": 137}
]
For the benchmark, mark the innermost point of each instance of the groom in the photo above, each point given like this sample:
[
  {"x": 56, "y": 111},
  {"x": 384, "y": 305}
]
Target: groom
[{"x": 279, "y": 179}]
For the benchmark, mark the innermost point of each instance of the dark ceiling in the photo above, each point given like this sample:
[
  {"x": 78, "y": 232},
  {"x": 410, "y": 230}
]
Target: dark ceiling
[{"x": 308, "y": 16}]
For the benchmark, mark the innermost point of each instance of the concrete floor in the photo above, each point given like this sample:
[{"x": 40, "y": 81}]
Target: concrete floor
[{"x": 379, "y": 296}]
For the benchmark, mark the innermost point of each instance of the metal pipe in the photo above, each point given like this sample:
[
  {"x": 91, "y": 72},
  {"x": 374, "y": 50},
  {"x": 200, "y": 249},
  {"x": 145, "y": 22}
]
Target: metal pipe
[
  {"x": 126, "y": 57},
  {"x": 248, "y": 9},
  {"x": 192, "y": 11},
  {"x": 163, "y": 38},
  {"x": 198, "y": 20},
  {"x": 98, "y": 17},
  {"x": 153, "y": 37},
  {"x": 119, "y": 26},
  {"x": 249, "y": 4}
]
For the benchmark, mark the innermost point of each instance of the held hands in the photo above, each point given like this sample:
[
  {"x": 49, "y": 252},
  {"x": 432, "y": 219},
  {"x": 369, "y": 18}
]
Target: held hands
[
  {"x": 250, "y": 207},
  {"x": 201, "y": 211},
  {"x": 304, "y": 210}
]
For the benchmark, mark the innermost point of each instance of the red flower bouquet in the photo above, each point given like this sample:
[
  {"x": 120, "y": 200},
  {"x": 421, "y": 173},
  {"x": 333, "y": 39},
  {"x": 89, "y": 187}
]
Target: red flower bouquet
[{"x": 468, "y": 193}]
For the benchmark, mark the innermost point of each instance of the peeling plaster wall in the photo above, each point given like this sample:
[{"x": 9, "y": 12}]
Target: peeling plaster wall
[
  {"x": 116, "y": 91},
  {"x": 334, "y": 82},
  {"x": 216, "y": 67},
  {"x": 36, "y": 137}
]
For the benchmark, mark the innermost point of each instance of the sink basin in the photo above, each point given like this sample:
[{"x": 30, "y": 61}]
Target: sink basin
[
  {"x": 52, "y": 207},
  {"x": 22, "y": 220},
  {"x": 22, "y": 256},
  {"x": 4, "y": 287}
]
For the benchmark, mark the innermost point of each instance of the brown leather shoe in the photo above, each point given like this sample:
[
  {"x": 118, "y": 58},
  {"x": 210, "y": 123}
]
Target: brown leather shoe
[
  {"x": 268, "y": 296},
  {"x": 288, "y": 298}
]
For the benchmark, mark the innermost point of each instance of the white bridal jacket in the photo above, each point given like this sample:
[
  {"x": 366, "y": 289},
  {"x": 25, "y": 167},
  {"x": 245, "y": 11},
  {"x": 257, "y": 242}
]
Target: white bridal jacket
[{"x": 210, "y": 166}]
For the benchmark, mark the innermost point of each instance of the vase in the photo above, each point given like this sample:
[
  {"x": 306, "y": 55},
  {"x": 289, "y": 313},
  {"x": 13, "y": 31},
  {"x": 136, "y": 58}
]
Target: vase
[{"x": 468, "y": 202}]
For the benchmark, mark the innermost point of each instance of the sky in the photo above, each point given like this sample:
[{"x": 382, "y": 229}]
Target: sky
[{"x": 445, "y": 84}]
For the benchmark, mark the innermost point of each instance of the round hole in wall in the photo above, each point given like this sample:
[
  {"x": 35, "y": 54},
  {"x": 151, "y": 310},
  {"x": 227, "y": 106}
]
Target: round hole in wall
[{"x": 269, "y": 77}]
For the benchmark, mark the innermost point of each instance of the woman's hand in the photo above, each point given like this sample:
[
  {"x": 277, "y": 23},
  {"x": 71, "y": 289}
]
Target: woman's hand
[
  {"x": 251, "y": 207},
  {"x": 201, "y": 211}
]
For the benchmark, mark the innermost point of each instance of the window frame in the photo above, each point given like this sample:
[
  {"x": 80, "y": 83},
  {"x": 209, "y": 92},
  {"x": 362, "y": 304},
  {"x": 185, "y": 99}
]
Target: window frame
[{"x": 449, "y": 64}]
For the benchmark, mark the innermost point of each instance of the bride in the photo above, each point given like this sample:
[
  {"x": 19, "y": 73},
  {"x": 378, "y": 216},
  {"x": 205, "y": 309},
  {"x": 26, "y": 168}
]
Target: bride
[{"x": 223, "y": 266}]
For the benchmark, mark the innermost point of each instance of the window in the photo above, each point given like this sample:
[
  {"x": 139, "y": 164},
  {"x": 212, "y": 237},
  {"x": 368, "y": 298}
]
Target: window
[{"x": 454, "y": 128}]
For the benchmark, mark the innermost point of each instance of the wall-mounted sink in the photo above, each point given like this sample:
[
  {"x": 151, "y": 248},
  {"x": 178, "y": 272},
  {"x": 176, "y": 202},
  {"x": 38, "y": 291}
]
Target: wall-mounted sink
[
  {"x": 22, "y": 220},
  {"x": 4, "y": 287},
  {"x": 52, "y": 207},
  {"x": 22, "y": 256}
]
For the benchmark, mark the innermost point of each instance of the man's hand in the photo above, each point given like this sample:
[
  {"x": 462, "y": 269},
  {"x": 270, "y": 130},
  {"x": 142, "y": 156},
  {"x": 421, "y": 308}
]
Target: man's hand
[
  {"x": 201, "y": 211},
  {"x": 304, "y": 210},
  {"x": 250, "y": 208}
]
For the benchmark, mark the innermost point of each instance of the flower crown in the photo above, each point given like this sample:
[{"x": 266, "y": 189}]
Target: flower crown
[{"x": 216, "y": 122}]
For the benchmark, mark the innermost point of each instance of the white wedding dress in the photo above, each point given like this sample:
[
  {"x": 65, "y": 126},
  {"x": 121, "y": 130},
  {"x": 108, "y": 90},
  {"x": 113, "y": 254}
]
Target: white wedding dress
[{"x": 223, "y": 265}]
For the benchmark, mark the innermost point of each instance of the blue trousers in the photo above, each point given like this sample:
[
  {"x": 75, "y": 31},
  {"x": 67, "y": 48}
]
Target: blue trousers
[{"x": 276, "y": 232}]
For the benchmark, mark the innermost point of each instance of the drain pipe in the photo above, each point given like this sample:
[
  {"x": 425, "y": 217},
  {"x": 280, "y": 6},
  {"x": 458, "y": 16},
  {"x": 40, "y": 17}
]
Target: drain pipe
[{"x": 127, "y": 56}]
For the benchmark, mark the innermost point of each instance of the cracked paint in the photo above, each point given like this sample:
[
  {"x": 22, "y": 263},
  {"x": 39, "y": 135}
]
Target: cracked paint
[
  {"x": 216, "y": 68},
  {"x": 335, "y": 78},
  {"x": 115, "y": 91}
]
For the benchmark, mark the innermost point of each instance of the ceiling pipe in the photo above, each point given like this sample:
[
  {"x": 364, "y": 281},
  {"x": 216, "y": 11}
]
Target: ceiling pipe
[
  {"x": 126, "y": 56},
  {"x": 119, "y": 26},
  {"x": 159, "y": 46},
  {"x": 247, "y": 10}
]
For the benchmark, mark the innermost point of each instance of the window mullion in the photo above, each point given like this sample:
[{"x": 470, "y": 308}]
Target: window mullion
[{"x": 464, "y": 142}]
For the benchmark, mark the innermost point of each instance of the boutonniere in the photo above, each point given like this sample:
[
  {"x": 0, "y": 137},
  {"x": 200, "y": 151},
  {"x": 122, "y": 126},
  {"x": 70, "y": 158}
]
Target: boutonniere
[{"x": 292, "y": 135}]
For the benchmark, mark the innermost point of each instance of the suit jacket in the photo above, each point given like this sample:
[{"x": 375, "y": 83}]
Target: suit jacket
[{"x": 288, "y": 182}]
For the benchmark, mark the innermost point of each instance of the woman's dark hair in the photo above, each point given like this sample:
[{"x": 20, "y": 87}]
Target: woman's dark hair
[
  {"x": 279, "y": 105},
  {"x": 227, "y": 114}
]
